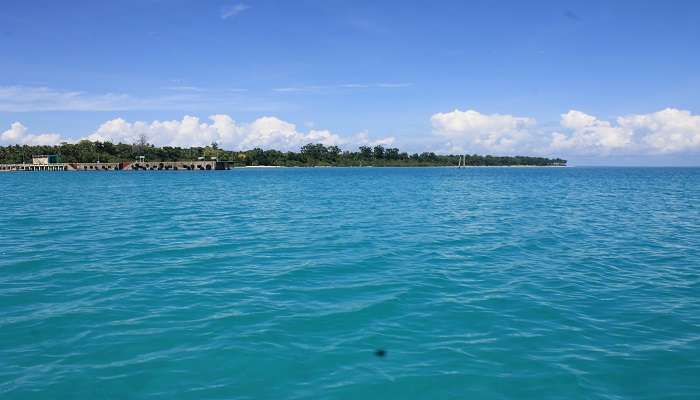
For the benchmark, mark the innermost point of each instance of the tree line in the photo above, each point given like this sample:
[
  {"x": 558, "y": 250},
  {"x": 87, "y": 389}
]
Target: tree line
[{"x": 312, "y": 154}]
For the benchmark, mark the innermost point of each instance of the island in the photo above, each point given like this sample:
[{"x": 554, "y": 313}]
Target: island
[{"x": 90, "y": 156}]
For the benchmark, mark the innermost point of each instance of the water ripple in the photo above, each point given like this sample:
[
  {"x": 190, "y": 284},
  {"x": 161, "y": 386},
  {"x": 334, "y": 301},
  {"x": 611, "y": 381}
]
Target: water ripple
[{"x": 247, "y": 284}]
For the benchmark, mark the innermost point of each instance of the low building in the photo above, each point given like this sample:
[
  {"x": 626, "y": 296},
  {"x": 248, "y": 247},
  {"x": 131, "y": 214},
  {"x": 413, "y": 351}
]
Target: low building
[{"x": 44, "y": 159}]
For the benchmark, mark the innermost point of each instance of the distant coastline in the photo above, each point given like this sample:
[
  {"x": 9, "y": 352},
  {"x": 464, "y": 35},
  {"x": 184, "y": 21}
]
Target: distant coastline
[{"x": 87, "y": 155}]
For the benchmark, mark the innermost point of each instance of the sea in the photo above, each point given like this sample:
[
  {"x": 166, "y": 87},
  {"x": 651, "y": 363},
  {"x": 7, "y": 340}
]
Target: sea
[{"x": 351, "y": 283}]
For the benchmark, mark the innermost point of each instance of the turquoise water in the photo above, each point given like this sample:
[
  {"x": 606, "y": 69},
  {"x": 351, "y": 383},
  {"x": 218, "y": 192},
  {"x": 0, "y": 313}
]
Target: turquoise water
[{"x": 491, "y": 283}]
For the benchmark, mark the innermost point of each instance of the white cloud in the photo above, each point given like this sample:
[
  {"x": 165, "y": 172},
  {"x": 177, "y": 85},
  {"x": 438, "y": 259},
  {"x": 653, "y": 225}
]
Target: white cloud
[
  {"x": 174, "y": 97},
  {"x": 292, "y": 89},
  {"x": 393, "y": 85},
  {"x": 353, "y": 85},
  {"x": 471, "y": 130},
  {"x": 590, "y": 134},
  {"x": 18, "y": 134},
  {"x": 324, "y": 136},
  {"x": 265, "y": 132},
  {"x": 185, "y": 88},
  {"x": 33, "y": 98},
  {"x": 232, "y": 11},
  {"x": 21, "y": 98},
  {"x": 188, "y": 131},
  {"x": 363, "y": 139},
  {"x": 666, "y": 131}
]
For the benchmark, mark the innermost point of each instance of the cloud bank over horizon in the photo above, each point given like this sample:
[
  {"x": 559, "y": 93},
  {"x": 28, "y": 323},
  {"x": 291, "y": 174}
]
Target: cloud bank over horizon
[
  {"x": 668, "y": 131},
  {"x": 664, "y": 132},
  {"x": 266, "y": 132}
]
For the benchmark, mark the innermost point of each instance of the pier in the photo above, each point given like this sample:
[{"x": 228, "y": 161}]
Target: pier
[
  {"x": 31, "y": 167},
  {"x": 198, "y": 165},
  {"x": 44, "y": 163}
]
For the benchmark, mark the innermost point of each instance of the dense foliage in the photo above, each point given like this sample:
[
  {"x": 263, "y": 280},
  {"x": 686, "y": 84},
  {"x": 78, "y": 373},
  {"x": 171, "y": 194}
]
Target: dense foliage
[{"x": 309, "y": 155}]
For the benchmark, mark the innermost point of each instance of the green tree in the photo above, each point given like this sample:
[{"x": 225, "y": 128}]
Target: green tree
[
  {"x": 365, "y": 152},
  {"x": 378, "y": 152}
]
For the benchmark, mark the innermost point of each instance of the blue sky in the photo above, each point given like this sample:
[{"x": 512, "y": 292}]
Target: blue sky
[{"x": 599, "y": 82}]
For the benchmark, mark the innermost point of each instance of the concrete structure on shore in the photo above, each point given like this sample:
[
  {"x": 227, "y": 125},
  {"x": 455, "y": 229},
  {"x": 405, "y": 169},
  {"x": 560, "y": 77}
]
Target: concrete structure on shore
[
  {"x": 199, "y": 165},
  {"x": 50, "y": 163},
  {"x": 45, "y": 159},
  {"x": 33, "y": 167}
]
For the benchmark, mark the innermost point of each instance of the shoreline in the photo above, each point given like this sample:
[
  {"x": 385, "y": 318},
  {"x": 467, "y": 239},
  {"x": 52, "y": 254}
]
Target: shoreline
[{"x": 111, "y": 167}]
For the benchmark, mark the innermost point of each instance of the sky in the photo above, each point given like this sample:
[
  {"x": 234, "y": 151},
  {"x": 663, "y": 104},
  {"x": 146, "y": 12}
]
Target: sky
[{"x": 595, "y": 82}]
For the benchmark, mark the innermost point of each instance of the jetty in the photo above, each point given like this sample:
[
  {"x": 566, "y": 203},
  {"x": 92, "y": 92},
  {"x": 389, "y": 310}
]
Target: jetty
[{"x": 50, "y": 163}]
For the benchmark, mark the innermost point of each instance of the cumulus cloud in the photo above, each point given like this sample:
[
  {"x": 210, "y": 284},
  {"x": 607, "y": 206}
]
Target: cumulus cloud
[
  {"x": 265, "y": 132},
  {"x": 18, "y": 134},
  {"x": 666, "y": 131},
  {"x": 663, "y": 132},
  {"x": 590, "y": 134},
  {"x": 363, "y": 139},
  {"x": 472, "y": 130}
]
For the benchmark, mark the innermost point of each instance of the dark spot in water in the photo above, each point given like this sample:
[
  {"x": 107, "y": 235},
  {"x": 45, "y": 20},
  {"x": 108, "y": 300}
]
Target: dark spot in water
[{"x": 380, "y": 353}]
